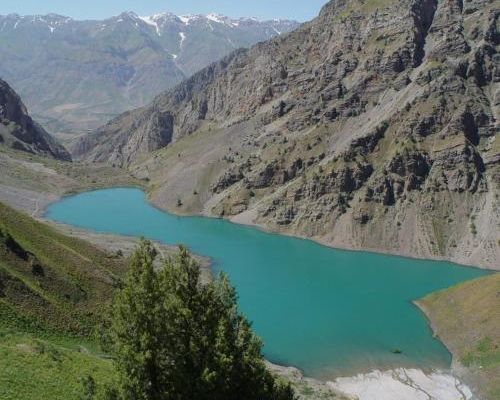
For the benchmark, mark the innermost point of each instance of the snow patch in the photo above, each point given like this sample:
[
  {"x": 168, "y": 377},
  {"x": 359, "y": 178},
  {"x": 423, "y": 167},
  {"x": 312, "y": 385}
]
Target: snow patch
[
  {"x": 183, "y": 38},
  {"x": 185, "y": 19},
  {"x": 152, "y": 21},
  {"x": 220, "y": 19}
]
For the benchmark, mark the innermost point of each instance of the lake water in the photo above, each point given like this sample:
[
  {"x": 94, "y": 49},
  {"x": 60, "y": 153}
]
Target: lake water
[{"x": 323, "y": 310}]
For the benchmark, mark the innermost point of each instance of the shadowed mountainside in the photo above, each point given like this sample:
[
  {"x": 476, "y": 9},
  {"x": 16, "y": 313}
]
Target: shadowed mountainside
[{"x": 19, "y": 131}]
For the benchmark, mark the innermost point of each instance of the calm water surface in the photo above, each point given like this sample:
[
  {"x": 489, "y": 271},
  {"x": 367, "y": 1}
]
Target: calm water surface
[{"x": 323, "y": 310}]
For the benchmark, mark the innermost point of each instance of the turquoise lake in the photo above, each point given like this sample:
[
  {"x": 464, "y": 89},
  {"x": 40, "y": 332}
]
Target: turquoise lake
[{"x": 325, "y": 311}]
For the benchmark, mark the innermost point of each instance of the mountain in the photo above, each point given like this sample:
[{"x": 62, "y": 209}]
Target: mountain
[
  {"x": 375, "y": 126},
  {"x": 77, "y": 75},
  {"x": 19, "y": 131}
]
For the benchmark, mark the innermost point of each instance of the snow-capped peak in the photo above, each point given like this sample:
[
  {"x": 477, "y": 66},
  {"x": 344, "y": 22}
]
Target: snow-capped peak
[
  {"x": 220, "y": 19},
  {"x": 152, "y": 21}
]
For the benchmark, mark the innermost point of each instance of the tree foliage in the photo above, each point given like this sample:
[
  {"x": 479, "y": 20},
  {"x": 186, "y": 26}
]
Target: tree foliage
[{"x": 177, "y": 338}]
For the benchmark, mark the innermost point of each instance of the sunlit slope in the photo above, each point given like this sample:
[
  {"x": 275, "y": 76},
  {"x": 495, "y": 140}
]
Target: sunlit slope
[
  {"x": 467, "y": 319},
  {"x": 50, "y": 281}
]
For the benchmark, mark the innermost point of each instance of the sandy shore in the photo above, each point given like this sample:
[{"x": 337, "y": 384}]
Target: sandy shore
[
  {"x": 403, "y": 384},
  {"x": 127, "y": 245}
]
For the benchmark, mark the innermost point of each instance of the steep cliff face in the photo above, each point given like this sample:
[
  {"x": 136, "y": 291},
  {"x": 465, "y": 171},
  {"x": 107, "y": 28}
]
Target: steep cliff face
[
  {"x": 373, "y": 126},
  {"x": 20, "y": 132}
]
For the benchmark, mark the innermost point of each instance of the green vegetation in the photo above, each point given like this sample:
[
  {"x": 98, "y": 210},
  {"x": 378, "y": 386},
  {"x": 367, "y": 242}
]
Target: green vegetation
[
  {"x": 50, "y": 282},
  {"x": 49, "y": 368},
  {"x": 467, "y": 319},
  {"x": 486, "y": 354},
  {"x": 176, "y": 338},
  {"x": 54, "y": 291}
]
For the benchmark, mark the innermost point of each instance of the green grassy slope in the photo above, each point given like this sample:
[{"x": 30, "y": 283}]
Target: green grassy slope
[
  {"x": 52, "y": 291},
  {"x": 467, "y": 319},
  {"x": 51, "y": 368},
  {"x": 50, "y": 280}
]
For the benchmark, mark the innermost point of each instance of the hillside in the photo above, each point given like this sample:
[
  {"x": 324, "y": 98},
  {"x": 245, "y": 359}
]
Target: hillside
[
  {"x": 77, "y": 75},
  {"x": 467, "y": 319},
  {"x": 49, "y": 281},
  {"x": 374, "y": 126},
  {"x": 20, "y": 132},
  {"x": 52, "y": 292}
]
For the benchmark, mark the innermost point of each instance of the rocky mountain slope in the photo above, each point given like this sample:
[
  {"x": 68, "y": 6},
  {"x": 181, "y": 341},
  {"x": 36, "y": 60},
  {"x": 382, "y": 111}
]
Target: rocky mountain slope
[
  {"x": 77, "y": 75},
  {"x": 19, "y": 131},
  {"x": 374, "y": 126}
]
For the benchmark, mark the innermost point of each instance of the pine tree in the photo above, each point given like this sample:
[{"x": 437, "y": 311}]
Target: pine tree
[
  {"x": 135, "y": 327},
  {"x": 177, "y": 338}
]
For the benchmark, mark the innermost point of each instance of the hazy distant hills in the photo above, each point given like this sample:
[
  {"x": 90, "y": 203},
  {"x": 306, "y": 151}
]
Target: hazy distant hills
[{"x": 76, "y": 75}]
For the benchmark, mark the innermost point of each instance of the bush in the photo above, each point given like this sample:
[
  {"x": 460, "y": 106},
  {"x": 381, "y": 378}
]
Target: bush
[{"x": 176, "y": 338}]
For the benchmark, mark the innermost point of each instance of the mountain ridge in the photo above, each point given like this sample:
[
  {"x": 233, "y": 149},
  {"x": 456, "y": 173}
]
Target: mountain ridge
[
  {"x": 344, "y": 130},
  {"x": 77, "y": 75}
]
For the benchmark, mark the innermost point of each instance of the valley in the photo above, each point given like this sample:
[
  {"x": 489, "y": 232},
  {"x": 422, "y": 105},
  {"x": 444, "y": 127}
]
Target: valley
[
  {"x": 82, "y": 178},
  {"x": 345, "y": 174},
  {"x": 76, "y": 75}
]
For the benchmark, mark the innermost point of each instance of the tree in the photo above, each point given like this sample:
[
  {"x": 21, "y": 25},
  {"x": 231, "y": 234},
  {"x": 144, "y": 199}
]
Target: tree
[
  {"x": 134, "y": 329},
  {"x": 177, "y": 338}
]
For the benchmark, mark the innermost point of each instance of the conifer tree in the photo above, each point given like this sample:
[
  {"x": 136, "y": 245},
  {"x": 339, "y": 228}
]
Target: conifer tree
[{"x": 178, "y": 338}]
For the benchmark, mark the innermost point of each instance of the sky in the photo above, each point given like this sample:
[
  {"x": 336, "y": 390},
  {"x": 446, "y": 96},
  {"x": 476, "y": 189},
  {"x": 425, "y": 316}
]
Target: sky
[{"x": 300, "y": 10}]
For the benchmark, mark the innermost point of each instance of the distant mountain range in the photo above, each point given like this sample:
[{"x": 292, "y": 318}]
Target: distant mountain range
[{"x": 76, "y": 75}]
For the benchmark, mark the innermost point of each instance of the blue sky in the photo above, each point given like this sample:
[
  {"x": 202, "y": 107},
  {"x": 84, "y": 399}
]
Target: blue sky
[{"x": 301, "y": 10}]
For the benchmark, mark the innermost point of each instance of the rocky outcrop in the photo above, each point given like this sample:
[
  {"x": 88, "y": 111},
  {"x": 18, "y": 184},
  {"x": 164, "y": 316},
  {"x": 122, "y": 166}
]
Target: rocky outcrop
[
  {"x": 372, "y": 126},
  {"x": 113, "y": 144},
  {"x": 20, "y": 132}
]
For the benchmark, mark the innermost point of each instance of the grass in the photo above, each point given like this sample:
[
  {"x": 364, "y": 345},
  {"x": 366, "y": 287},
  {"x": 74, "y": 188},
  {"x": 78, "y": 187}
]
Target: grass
[
  {"x": 34, "y": 369},
  {"x": 467, "y": 319},
  {"x": 366, "y": 7},
  {"x": 486, "y": 354},
  {"x": 49, "y": 281},
  {"x": 53, "y": 289}
]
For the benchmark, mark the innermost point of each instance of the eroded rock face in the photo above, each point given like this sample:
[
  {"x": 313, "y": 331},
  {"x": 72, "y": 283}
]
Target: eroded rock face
[
  {"x": 458, "y": 170},
  {"x": 22, "y": 132},
  {"x": 374, "y": 125}
]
